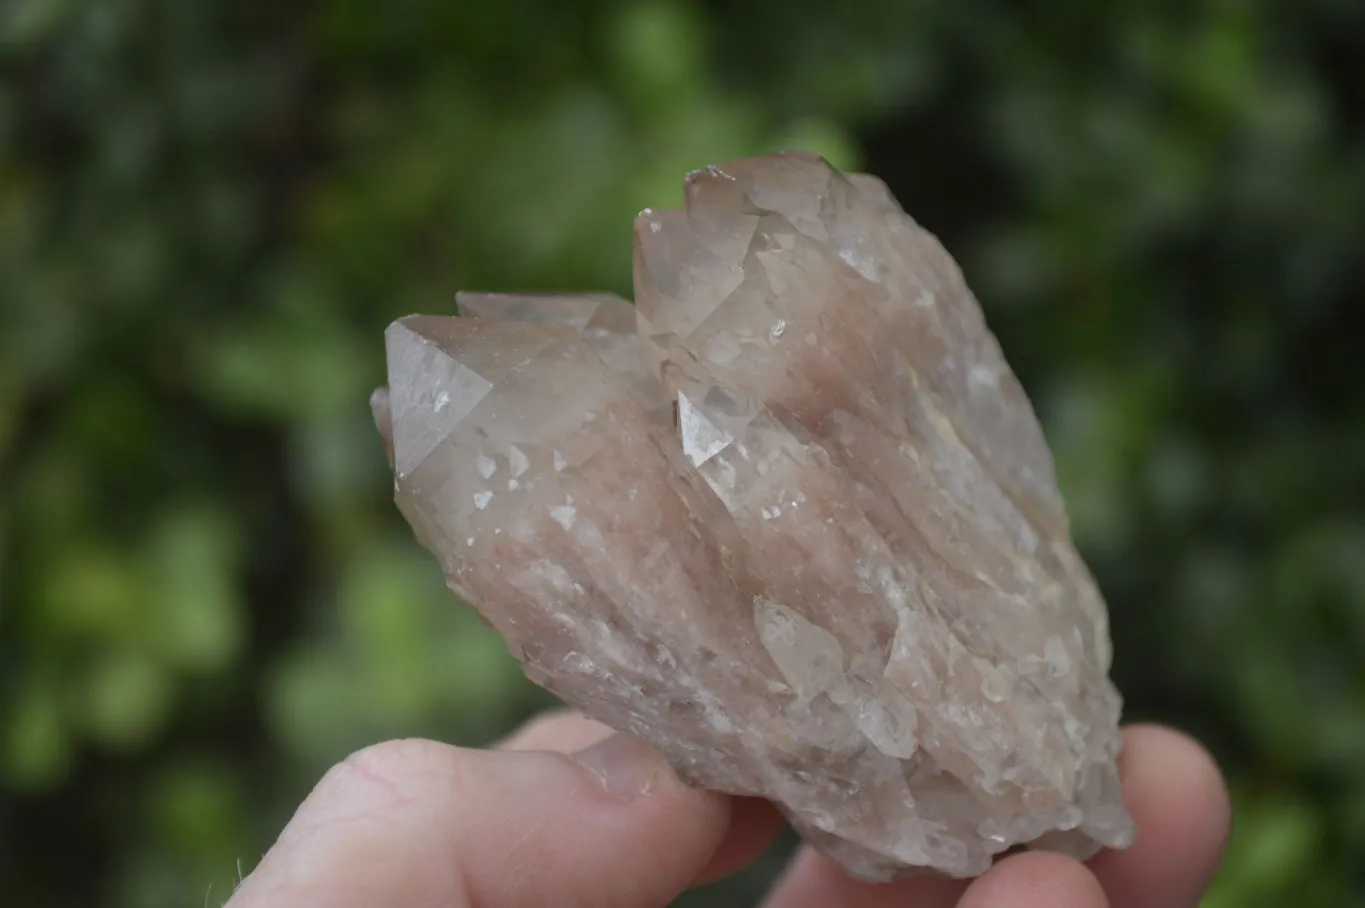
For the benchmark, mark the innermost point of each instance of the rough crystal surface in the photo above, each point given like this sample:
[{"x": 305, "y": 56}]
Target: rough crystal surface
[{"x": 790, "y": 519}]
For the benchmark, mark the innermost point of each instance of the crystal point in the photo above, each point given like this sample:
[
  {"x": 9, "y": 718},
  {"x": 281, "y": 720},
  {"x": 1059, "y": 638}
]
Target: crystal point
[{"x": 790, "y": 519}]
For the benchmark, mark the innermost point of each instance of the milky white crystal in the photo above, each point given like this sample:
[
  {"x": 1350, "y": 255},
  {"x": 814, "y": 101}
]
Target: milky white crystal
[{"x": 790, "y": 519}]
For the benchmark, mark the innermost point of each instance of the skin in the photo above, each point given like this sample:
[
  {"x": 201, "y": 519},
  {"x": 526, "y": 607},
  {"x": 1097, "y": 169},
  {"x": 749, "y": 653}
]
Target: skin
[{"x": 566, "y": 813}]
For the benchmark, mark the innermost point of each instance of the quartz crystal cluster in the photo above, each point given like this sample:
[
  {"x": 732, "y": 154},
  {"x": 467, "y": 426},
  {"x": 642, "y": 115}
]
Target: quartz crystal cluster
[{"x": 789, "y": 518}]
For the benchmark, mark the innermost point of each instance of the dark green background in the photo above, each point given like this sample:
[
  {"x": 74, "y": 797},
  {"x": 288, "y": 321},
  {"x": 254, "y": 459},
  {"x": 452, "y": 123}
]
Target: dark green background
[{"x": 209, "y": 210}]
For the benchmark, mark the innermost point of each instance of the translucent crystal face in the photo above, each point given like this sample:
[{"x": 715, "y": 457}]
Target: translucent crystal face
[{"x": 790, "y": 518}]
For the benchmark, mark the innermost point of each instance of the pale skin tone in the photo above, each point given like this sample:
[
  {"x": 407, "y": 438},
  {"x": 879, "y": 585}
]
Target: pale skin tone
[{"x": 566, "y": 814}]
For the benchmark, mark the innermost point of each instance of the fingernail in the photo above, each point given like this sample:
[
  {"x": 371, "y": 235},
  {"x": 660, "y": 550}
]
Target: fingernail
[{"x": 628, "y": 768}]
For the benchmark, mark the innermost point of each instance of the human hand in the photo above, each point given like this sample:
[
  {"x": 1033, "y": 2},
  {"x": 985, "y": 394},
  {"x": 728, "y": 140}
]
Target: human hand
[{"x": 419, "y": 824}]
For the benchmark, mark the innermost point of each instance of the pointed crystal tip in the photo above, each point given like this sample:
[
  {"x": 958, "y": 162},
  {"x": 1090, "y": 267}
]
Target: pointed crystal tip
[{"x": 383, "y": 419}]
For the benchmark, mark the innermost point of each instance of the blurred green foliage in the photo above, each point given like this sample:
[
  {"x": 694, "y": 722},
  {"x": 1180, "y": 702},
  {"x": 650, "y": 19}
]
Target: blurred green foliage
[{"x": 209, "y": 211}]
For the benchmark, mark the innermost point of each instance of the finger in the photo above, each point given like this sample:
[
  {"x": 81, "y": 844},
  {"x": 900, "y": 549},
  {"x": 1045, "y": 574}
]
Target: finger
[
  {"x": 753, "y": 822},
  {"x": 422, "y": 823},
  {"x": 1036, "y": 879},
  {"x": 814, "y": 881},
  {"x": 1178, "y": 798}
]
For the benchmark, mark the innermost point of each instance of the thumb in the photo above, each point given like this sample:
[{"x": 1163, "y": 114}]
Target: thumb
[{"x": 420, "y": 823}]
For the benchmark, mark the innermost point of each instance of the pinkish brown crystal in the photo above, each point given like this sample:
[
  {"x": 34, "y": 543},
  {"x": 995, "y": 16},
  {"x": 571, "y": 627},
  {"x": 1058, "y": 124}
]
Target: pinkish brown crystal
[{"x": 790, "y": 519}]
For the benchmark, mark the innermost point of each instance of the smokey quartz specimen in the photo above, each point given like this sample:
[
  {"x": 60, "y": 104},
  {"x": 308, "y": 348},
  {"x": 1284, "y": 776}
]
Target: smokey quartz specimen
[{"x": 790, "y": 519}]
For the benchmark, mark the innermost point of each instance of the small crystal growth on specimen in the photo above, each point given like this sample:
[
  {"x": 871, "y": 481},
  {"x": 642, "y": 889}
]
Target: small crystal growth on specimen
[{"x": 789, "y": 518}]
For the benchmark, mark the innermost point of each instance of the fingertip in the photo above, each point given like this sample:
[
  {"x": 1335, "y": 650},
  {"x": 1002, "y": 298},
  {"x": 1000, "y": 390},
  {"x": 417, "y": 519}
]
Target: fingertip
[
  {"x": 1192, "y": 774},
  {"x": 1035, "y": 879},
  {"x": 753, "y": 822},
  {"x": 1180, "y": 802}
]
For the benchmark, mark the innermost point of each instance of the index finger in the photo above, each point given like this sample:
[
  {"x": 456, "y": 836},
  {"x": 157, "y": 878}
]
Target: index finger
[
  {"x": 753, "y": 822},
  {"x": 1177, "y": 795}
]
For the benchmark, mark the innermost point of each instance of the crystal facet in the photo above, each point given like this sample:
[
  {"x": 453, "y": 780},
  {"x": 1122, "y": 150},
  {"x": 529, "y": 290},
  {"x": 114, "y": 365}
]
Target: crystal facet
[{"x": 790, "y": 519}]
